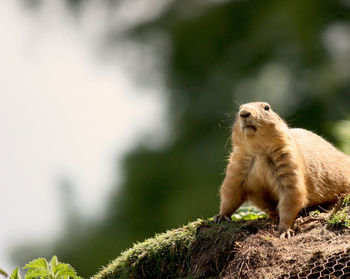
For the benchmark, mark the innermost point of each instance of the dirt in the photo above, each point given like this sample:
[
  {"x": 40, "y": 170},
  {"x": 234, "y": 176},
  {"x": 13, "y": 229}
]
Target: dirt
[{"x": 264, "y": 255}]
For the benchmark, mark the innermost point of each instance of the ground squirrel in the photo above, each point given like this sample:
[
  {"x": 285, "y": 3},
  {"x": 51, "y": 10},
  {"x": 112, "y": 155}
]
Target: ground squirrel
[{"x": 278, "y": 169}]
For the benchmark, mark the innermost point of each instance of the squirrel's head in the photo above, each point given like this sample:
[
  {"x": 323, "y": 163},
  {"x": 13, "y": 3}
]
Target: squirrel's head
[{"x": 257, "y": 118}]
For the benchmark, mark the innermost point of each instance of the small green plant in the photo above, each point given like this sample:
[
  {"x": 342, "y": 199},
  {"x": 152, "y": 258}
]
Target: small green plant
[
  {"x": 41, "y": 269},
  {"x": 247, "y": 212},
  {"x": 346, "y": 201},
  {"x": 314, "y": 213},
  {"x": 339, "y": 219},
  {"x": 340, "y": 216}
]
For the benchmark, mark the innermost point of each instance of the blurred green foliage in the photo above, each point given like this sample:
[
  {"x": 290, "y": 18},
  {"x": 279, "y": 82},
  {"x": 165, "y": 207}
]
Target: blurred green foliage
[
  {"x": 342, "y": 132},
  {"x": 293, "y": 54}
]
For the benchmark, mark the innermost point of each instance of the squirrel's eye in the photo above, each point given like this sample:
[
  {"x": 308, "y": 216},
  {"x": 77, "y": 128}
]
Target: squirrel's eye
[{"x": 267, "y": 107}]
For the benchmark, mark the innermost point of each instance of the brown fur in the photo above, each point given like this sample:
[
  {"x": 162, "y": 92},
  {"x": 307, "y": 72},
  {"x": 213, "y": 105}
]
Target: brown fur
[{"x": 278, "y": 169}]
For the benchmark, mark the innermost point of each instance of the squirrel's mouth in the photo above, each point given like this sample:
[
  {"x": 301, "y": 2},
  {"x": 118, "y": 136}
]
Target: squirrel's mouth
[{"x": 249, "y": 127}]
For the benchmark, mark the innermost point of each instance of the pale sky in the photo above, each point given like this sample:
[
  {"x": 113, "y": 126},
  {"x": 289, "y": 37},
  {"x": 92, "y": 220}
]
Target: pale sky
[{"x": 63, "y": 114}]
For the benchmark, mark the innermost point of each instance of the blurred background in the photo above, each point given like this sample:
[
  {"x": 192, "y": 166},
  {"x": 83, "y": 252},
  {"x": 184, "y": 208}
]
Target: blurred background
[{"x": 116, "y": 114}]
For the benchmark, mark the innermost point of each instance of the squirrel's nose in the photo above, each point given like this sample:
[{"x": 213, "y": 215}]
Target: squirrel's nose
[{"x": 244, "y": 114}]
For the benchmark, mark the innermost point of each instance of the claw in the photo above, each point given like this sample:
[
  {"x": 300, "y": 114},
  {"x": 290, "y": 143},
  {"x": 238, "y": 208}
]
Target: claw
[
  {"x": 216, "y": 219},
  {"x": 219, "y": 218},
  {"x": 286, "y": 234}
]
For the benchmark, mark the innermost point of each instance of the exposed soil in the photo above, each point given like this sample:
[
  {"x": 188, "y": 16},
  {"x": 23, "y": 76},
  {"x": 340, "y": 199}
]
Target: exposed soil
[{"x": 259, "y": 253}]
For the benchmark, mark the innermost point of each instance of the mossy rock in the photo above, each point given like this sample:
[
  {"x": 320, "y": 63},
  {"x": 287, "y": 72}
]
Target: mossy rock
[
  {"x": 198, "y": 249},
  {"x": 242, "y": 249}
]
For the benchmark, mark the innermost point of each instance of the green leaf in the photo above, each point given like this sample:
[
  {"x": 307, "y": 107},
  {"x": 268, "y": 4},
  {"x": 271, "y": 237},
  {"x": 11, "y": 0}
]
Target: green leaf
[
  {"x": 37, "y": 273},
  {"x": 2, "y": 272},
  {"x": 65, "y": 270},
  {"x": 15, "y": 274},
  {"x": 54, "y": 265},
  {"x": 41, "y": 269},
  {"x": 38, "y": 263}
]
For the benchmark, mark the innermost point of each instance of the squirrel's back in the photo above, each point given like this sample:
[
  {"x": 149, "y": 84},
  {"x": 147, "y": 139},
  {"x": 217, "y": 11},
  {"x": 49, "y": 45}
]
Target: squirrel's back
[{"x": 326, "y": 169}]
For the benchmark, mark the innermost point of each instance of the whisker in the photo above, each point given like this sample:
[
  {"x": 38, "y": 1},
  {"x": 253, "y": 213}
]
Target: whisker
[
  {"x": 238, "y": 104},
  {"x": 228, "y": 140}
]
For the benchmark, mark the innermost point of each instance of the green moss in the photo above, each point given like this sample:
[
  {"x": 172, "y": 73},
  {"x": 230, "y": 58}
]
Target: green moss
[
  {"x": 165, "y": 253},
  {"x": 195, "y": 249},
  {"x": 199, "y": 249}
]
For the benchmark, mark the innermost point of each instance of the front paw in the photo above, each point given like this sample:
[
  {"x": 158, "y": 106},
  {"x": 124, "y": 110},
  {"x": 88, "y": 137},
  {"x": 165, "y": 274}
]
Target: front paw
[
  {"x": 222, "y": 217},
  {"x": 286, "y": 233}
]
